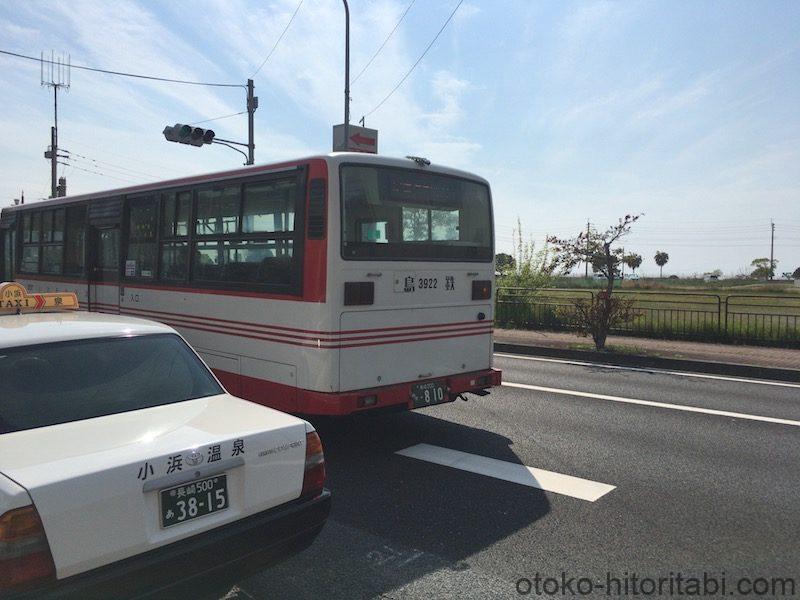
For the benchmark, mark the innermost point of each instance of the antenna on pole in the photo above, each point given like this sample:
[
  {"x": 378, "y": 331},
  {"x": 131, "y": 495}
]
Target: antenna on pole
[{"x": 55, "y": 74}]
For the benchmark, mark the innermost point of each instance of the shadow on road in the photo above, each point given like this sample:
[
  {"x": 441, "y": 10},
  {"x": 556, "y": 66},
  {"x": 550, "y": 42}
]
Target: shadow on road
[{"x": 396, "y": 520}]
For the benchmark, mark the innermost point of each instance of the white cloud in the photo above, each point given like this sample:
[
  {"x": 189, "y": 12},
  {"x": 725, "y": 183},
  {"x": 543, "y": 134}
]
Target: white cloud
[{"x": 466, "y": 11}]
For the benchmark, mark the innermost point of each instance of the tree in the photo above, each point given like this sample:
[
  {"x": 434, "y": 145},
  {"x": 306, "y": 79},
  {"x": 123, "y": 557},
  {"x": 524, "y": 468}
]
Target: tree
[
  {"x": 531, "y": 267},
  {"x": 763, "y": 269},
  {"x": 796, "y": 274},
  {"x": 661, "y": 259},
  {"x": 634, "y": 261},
  {"x": 504, "y": 263},
  {"x": 596, "y": 317}
]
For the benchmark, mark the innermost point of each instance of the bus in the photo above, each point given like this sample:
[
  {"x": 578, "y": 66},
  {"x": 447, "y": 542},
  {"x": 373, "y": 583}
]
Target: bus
[{"x": 329, "y": 285}]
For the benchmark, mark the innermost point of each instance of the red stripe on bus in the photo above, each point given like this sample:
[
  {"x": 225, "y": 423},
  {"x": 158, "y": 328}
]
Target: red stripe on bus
[
  {"x": 317, "y": 334},
  {"x": 331, "y": 345},
  {"x": 324, "y": 339},
  {"x": 320, "y": 345}
]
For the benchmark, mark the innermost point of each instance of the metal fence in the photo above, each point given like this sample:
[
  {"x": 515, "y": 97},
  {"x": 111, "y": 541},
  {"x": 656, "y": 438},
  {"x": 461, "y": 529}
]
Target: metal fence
[{"x": 761, "y": 319}]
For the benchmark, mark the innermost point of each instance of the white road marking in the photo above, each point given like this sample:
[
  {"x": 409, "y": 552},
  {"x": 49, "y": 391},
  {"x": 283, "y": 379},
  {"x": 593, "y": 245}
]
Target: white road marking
[
  {"x": 695, "y": 409},
  {"x": 646, "y": 370},
  {"x": 583, "y": 489}
]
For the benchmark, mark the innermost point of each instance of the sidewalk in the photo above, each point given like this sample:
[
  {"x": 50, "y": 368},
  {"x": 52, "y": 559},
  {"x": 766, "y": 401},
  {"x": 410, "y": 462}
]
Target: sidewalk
[{"x": 629, "y": 347}]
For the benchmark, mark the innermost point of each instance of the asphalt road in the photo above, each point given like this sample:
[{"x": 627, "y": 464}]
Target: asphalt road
[{"x": 693, "y": 491}]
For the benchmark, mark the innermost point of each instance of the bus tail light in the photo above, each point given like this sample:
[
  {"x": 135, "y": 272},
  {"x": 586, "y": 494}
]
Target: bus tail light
[
  {"x": 481, "y": 290},
  {"x": 314, "y": 477},
  {"x": 25, "y": 556},
  {"x": 359, "y": 293}
]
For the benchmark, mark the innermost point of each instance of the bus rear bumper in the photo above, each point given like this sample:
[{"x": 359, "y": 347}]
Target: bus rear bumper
[{"x": 396, "y": 396}]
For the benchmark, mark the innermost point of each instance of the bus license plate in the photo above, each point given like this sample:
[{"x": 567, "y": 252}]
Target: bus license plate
[
  {"x": 425, "y": 394},
  {"x": 194, "y": 499}
]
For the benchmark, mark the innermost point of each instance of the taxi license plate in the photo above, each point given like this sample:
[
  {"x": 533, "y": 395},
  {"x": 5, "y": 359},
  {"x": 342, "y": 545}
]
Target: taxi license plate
[
  {"x": 194, "y": 499},
  {"x": 426, "y": 394}
]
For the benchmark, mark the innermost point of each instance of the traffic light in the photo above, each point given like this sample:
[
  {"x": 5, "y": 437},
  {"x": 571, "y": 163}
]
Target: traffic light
[{"x": 186, "y": 134}]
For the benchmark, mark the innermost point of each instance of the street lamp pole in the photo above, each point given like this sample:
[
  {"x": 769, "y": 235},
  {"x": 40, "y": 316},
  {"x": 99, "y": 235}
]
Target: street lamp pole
[{"x": 346, "y": 73}]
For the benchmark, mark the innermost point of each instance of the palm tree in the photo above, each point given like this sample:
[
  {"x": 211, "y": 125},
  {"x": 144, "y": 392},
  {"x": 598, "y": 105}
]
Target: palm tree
[{"x": 661, "y": 260}]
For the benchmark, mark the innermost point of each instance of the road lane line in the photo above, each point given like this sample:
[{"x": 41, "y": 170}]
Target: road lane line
[
  {"x": 581, "y": 363},
  {"x": 695, "y": 409},
  {"x": 550, "y": 481}
]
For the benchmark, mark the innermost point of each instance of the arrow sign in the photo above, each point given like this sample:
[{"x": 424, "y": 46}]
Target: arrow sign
[
  {"x": 39, "y": 301},
  {"x": 359, "y": 139},
  {"x": 362, "y": 140}
]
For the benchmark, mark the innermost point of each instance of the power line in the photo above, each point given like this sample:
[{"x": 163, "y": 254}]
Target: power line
[
  {"x": 218, "y": 118},
  {"x": 99, "y": 173},
  {"x": 116, "y": 167},
  {"x": 123, "y": 74},
  {"x": 378, "y": 51},
  {"x": 278, "y": 41},
  {"x": 414, "y": 66},
  {"x": 131, "y": 160}
]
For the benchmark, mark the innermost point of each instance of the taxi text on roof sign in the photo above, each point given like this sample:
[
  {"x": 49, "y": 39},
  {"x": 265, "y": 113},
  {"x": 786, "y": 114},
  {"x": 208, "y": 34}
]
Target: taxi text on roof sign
[{"x": 15, "y": 298}]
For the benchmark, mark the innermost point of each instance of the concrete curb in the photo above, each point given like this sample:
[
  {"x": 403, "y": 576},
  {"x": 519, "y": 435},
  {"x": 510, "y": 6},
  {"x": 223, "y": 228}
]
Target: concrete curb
[{"x": 654, "y": 362}]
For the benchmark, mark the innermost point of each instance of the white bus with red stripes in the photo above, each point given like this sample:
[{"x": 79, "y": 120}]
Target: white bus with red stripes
[{"x": 329, "y": 285}]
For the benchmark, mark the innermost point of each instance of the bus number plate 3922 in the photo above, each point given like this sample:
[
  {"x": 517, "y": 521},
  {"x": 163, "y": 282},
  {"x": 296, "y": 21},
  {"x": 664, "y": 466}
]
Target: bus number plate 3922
[
  {"x": 194, "y": 499},
  {"x": 408, "y": 282},
  {"x": 426, "y": 394}
]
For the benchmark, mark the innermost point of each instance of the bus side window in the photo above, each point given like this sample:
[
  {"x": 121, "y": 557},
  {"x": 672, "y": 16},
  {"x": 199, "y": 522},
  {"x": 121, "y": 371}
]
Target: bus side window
[
  {"x": 75, "y": 241},
  {"x": 142, "y": 234}
]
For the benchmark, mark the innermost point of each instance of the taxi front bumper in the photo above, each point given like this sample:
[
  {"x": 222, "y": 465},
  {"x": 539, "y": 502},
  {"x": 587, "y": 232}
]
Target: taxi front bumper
[{"x": 205, "y": 565}]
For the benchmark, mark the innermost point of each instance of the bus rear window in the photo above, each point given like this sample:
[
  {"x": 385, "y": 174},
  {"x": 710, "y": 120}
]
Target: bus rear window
[
  {"x": 401, "y": 214},
  {"x": 48, "y": 384}
]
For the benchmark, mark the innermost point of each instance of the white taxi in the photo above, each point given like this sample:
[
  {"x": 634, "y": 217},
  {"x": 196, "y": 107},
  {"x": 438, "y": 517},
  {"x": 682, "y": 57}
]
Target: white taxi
[{"x": 126, "y": 470}]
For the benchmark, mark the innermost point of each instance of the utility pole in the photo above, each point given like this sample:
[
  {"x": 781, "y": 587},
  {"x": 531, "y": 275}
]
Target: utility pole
[
  {"x": 252, "y": 105},
  {"x": 56, "y": 75},
  {"x": 587, "y": 250},
  {"x": 772, "y": 250},
  {"x": 346, "y": 72}
]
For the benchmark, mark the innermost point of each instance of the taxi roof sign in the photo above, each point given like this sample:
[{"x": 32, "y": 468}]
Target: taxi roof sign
[{"x": 14, "y": 298}]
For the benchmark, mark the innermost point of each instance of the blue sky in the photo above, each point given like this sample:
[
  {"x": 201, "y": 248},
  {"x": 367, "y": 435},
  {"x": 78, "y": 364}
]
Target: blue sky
[{"x": 685, "y": 111}]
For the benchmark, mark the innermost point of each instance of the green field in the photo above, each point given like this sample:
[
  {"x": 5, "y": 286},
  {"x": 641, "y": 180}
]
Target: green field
[{"x": 718, "y": 311}]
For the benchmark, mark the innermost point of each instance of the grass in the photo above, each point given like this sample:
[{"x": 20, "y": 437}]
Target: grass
[
  {"x": 611, "y": 348},
  {"x": 703, "y": 313},
  {"x": 723, "y": 286}
]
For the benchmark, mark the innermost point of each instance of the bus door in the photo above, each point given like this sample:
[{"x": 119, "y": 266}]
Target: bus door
[{"x": 104, "y": 269}]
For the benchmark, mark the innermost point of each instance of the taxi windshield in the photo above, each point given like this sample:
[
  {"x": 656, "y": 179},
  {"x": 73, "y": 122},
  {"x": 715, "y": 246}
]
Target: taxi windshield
[{"x": 47, "y": 384}]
